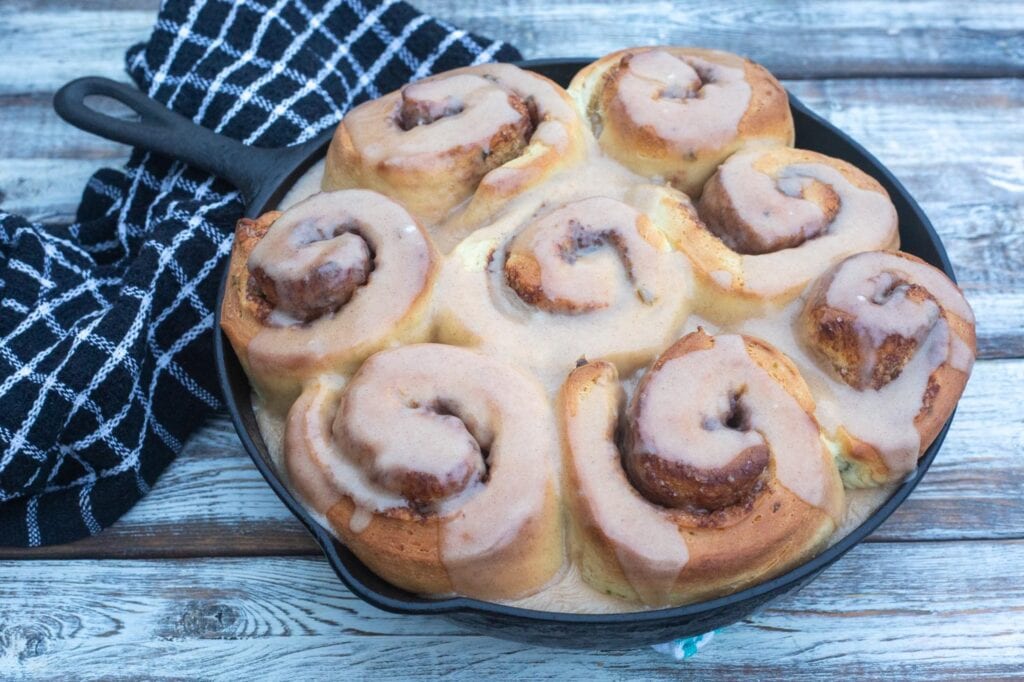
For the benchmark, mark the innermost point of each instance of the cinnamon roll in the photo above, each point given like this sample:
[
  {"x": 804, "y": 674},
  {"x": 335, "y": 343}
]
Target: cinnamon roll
[
  {"x": 481, "y": 133},
  {"x": 898, "y": 338},
  {"x": 593, "y": 278},
  {"x": 774, "y": 219},
  {"x": 677, "y": 112},
  {"x": 323, "y": 285},
  {"x": 435, "y": 466},
  {"x": 715, "y": 476}
]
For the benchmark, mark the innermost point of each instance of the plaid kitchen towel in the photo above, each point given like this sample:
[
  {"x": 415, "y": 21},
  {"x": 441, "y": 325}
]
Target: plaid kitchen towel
[{"x": 106, "y": 325}]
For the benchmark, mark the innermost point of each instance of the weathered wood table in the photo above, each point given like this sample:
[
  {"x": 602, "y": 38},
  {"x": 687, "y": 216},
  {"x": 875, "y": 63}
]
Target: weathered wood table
[{"x": 211, "y": 577}]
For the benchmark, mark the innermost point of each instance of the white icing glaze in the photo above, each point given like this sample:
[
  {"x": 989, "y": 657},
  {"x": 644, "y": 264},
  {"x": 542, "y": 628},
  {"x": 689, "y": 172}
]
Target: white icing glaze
[
  {"x": 568, "y": 593},
  {"x": 561, "y": 243},
  {"x": 647, "y": 542},
  {"x": 306, "y": 186},
  {"x": 879, "y": 414},
  {"x": 866, "y": 220},
  {"x": 506, "y": 410},
  {"x": 312, "y": 263},
  {"x": 469, "y": 108},
  {"x": 685, "y": 426},
  {"x": 884, "y": 417},
  {"x": 775, "y": 209},
  {"x": 636, "y": 307},
  {"x": 402, "y": 269},
  {"x": 689, "y": 102},
  {"x": 489, "y": 130}
]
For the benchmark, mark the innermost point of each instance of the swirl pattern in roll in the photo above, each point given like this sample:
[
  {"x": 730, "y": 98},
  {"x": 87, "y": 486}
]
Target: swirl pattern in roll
[
  {"x": 775, "y": 219},
  {"x": 323, "y": 285},
  {"x": 677, "y": 112},
  {"x": 721, "y": 479},
  {"x": 593, "y": 277},
  {"x": 898, "y": 338},
  {"x": 481, "y": 133},
  {"x": 435, "y": 465}
]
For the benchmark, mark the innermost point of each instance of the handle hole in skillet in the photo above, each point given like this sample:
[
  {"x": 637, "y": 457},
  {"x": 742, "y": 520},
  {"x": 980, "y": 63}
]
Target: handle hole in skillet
[{"x": 108, "y": 106}]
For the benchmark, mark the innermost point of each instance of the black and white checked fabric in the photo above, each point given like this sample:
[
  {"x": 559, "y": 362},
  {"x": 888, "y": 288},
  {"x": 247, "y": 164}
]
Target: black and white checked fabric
[{"x": 106, "y": 325}]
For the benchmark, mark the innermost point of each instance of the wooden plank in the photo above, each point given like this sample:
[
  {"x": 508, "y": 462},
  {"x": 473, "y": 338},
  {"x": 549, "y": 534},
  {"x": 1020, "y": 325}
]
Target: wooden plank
[
  {"x": 42, "y": 50},
  {"x": 844, "y": 39},
  {"x": 213, "y": 502},
  {"x": 884, "y": 610},
  {"x": 838, "y": 38},
  {"x": 31, "y": 129}
]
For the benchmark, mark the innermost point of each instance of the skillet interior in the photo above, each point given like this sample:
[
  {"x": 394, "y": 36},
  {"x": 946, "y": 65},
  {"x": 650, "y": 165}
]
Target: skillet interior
[{"x": 556, "y": 629}]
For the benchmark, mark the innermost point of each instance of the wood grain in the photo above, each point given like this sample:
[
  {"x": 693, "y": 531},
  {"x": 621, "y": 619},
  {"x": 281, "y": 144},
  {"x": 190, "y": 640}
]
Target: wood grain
[
  {"x": 934, "y": 594},
  {"x": 802, "y": 39},
  {"x": 213, "y": 502},
  {"x": 882, "y": 611}
]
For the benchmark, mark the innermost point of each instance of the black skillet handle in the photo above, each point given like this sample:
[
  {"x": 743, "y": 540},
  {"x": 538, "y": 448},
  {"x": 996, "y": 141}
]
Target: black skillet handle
[{"x": 162, "y": 131}]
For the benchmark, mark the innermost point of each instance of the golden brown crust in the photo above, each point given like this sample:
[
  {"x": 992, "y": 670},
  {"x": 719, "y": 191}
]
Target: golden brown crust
[
  {"x": 279, "y": 356},
  {"x": 766, "y": 119},
  {"x": 434, "y": 185},
  {"x": 244, "y": 309},
  {"x": 770, "y": 532},
  {"x": 462, "y": 543},
  {"x": 835, "y": 336},
  {"x": 402, "y": 549}
]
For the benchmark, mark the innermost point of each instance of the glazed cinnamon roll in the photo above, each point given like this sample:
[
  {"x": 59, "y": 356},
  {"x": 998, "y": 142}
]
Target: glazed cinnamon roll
[
  {"x": 898, "y": 337},
  {"x": 715, "y": 477},
  {"x": 678, "y": 112},
  {"x": 593, "y": 278},
  {"x": 777, "y": 218},
  {"x": 323, "y": 285},
  {"x": 435, "y": 466},
  {"x": 481, "y": 133}
]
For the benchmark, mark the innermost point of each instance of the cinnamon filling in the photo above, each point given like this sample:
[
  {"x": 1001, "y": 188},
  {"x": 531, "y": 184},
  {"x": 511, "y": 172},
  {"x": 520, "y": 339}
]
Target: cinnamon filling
[
  {"x": 868, "y": 332},
  {"x": 698, "y": 453},
  {"x": 311, "y": 269},
  {"x": 792, "y": 206},
  {"x": 556, "y": 263},
  {"x": 430, "y": 102}
]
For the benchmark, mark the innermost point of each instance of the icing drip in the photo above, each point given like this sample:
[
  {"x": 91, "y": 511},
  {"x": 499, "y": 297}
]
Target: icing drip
[
  {"x": 882, "y": 297},
  {"x": 648, "y": 546}
]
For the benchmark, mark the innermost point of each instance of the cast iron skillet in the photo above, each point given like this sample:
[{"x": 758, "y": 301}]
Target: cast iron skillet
[{"x": 264, "y": 175}]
